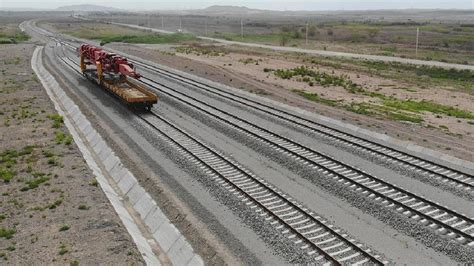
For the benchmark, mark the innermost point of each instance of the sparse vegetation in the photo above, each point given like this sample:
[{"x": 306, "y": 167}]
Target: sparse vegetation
[
  {"x": 200, "y": 50},
  {"x": 63, "y": 249},
  {"x": 64, "y": 227},
  {"x": 324, "y": 79},
  {"x": 94, "y": 183},
  {"x": 7, "y": 233},
  {"x": 10, "y": 34},
  {"x": 315, "y": 97},
  {"x": 38, "y": 176},
  {"x": 251, "y": 61},
  {"x": 61, "y": 137},
  {"x": 7, "y": 175},
  {"x": 427, "y": 106},
  {"x": 58, "y": 120},
  {"x": 363, "y": 108},
  {"x": 83, "y": 207},
  {"x": 39, "y": 179},
  {"x": 149, "y": 38}
]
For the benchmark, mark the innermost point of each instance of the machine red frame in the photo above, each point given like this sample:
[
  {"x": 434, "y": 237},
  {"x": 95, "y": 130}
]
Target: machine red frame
[
  {"x": 109, "y": 62},
  {"x": 111, "y": 72}
]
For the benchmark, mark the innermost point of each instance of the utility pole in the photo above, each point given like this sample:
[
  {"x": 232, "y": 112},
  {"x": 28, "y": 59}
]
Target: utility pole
[
  {"x": 417, "y": 37},
  {"x": 242, "y": 29},
  {"x": 180, "y": 25},
  {"x": 205, "y": 26},
  {"x": 307, "y": 27}
]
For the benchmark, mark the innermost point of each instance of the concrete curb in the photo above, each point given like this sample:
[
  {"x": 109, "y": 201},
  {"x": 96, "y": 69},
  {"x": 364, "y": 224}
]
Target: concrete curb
[{"x": 118, "y": 184}]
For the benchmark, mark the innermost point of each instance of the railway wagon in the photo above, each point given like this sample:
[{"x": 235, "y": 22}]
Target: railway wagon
[{"x": 115, "y": 74}]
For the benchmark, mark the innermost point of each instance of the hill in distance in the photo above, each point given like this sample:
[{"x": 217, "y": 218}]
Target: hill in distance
[
  {"x": 222, "y": 9},
  {"x": 87, "y": 8}
]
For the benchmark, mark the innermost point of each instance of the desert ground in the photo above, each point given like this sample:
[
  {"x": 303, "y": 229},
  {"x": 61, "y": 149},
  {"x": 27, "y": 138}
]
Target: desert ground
[{"x": 52, "y": 210}]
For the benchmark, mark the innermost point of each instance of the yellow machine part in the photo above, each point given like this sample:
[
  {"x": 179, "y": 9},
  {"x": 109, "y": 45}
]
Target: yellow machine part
[
  {"x": 99, "y": 71},
  {"x": 83, "y": 63}
]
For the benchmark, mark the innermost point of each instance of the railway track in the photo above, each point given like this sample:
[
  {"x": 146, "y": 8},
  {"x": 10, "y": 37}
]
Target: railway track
[
  {"x": 311, "y": 233},
  {"x": 308, "y": 232},
  {"x": 446, "y": 221},
  {"x": 390, "y": 155},
  {"x": 441, "y": 218}
]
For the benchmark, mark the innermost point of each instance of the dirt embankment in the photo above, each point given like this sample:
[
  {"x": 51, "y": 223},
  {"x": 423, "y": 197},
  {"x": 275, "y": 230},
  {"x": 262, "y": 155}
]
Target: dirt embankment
[
  {"x": 51, "y": 207},
  {"x": 440, "y": 132}
]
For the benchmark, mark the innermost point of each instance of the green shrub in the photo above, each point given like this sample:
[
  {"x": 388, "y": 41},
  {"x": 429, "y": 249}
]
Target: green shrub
[
  {"x": 315, "y": 97},
  {"x": 7, "y": 233},
  {"x": 7, "y": 175},
  {"x": 57, "y": 120},
  {"x": 427, "y": 106},
  {"x": 83, "y": 207},
  {"x": 64, "y": 227},
  {"x": 34, "y": 183},
  {"x": 63, "y": 249}
]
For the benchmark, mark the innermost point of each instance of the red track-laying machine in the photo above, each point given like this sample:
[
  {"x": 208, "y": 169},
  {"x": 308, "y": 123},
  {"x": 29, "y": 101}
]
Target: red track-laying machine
[{"x": 111, "y": 72}]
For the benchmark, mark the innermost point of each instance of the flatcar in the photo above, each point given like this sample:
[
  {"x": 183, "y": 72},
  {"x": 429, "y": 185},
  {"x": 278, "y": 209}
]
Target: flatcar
[{"x": 116, "y": 75}]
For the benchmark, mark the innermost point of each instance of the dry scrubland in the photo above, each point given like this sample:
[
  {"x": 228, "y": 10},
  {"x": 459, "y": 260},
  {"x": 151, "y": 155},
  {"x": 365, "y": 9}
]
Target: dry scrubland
[
  {"x": 51, "y": 208},
  {"x": 381, "y": 96},
  {"x": 444, "y": 35}
]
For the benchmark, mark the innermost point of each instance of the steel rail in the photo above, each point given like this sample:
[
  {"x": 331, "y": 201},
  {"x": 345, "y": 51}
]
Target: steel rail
[
  {"x": 266, "y": 187},
  {"x": 460, "y": 233}
]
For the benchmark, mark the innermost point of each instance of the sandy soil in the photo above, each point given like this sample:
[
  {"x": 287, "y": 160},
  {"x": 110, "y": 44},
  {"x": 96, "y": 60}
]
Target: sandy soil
[
  {"x": 51, "y": 208},
  {"x": 456, "y": 140}
]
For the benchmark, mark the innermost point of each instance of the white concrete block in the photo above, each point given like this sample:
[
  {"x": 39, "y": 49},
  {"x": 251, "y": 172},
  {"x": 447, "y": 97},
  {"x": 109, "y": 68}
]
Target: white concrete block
[
  {"x": 95, "y": 141},
  {"x": 166, "y": 235},
  {"x": 126, "y": 183},
  {"x": 144, "y": 205},
  {"x": 90, "y": 137},
  {"x": 110, "y": 162},
  {"x": 135, "y": 194},
  {"x": 154, "y": 219},
  {"x": 180, "y": 252},
  {"x": 88, "y": 129},
  {"x": 104, "y": 153},
  {"x": 118, "y": 172},
  {"x": 196, "y": 261}
]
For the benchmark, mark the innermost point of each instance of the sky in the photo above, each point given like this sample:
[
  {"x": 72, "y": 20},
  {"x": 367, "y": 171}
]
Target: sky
[{"x": 260, "y": 4}]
